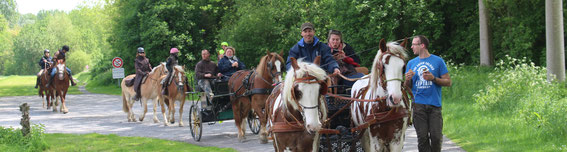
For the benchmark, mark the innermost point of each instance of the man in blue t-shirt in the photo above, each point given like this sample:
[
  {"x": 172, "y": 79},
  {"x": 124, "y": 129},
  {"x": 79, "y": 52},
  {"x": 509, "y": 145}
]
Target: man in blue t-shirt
[{"x": 426, "y": 85}]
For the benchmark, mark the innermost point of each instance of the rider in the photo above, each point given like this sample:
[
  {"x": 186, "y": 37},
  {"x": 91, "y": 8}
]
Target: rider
[
  {"x": 143, "y": 67},
  {"x": 60, "y": 58},
  {"x": 44, "y": 62},
  {"x": 310, "y": 47},
  {"x": 171, "y": 62},
  {"x": 230, "y": 63}
]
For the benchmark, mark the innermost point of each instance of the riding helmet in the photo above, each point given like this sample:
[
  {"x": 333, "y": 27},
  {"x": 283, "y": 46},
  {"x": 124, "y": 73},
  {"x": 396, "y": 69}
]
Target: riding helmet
[{"x": 141, "y": 50}]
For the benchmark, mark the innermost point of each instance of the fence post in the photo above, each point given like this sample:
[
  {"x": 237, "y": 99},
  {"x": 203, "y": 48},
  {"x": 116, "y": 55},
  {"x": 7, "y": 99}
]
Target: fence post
[{"x": 25, "y": 122}]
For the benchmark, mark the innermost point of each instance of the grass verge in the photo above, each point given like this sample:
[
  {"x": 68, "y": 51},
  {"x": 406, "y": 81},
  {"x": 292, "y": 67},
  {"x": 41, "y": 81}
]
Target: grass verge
[{"x": 23, "y": 86}]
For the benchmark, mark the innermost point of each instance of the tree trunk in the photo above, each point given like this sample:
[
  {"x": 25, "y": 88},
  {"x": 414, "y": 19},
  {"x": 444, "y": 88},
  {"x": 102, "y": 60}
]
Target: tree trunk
[
  {"x": 486, "y": 58},
  {"x": 555, "y": 48}
]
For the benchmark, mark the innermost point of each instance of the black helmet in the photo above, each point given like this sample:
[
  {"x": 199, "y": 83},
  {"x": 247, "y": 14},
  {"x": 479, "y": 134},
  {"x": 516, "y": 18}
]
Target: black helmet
[
  {"x": 141, "y": 50},
  {"x": 66, "y": 48},
  {"x": 45, "y": 51}
]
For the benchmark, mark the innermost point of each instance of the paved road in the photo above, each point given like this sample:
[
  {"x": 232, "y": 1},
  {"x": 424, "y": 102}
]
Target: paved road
[{"x": 96, "y": 113}]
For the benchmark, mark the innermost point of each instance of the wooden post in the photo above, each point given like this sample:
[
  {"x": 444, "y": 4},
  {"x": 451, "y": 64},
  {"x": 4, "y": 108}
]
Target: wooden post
[
  {"x": 25, "y": 122},
  {"x": 555, "y": 56}
]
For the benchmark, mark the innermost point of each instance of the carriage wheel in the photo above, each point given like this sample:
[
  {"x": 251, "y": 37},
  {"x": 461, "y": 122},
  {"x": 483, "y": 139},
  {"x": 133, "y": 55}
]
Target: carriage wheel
[
  {"x": 254, "y": 122},
  {"x": 195, "y": 124}
]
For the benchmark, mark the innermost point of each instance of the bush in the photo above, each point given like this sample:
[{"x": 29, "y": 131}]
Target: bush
[
  {"x": 12, "y": 139},
  {"x": 520, "y": 89}
]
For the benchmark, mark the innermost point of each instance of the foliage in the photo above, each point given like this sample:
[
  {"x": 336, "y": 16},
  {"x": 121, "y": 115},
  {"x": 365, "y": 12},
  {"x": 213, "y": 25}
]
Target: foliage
[
  {"x": 112, "y": 142},
  {"x": 532, "y": 121},
  {"x": 23, "y": 86},
  {"x": 12, "y": 139}
]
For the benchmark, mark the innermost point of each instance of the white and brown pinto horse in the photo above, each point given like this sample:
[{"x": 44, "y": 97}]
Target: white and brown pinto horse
[
  {"x": 297, "y": 108},
  {"x": 381, "y": 115},
  {"x": 150, "y": 91},
  {"x": 177, "y": 89}
]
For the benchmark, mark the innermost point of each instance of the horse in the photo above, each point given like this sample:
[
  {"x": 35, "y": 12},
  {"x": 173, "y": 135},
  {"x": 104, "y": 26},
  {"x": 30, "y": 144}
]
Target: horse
[
  {"x": 46, "y": 92},
  {"x": 177, "y": 89},
  {"x": 380, "y": 115},
  {"x": 61, "y": 85},
  {"x": 251, "y": 89},
  {"x": 150, "y": 91},
  {"x": 297, "y": 107}
]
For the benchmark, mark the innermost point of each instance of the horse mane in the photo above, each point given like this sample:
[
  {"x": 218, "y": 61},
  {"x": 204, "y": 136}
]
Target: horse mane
[
  {"x": 179, "y": 68},
  {"x": 305, "y": 68},
  {"x": 394, "y": 48},
  {"x": 264, "y": 62},
  {"x": 162, "y": 64}
]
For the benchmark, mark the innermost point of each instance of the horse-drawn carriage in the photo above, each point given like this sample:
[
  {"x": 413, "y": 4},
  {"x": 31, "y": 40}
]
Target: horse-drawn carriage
[{"x": 211, "y": 110}]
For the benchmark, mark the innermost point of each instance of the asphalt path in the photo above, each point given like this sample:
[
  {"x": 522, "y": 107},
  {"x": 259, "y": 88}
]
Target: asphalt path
[{"x": 97, "y": 113}]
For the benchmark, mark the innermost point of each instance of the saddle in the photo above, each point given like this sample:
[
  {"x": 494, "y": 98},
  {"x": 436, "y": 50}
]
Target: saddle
[{"x": 130, "y": 82}]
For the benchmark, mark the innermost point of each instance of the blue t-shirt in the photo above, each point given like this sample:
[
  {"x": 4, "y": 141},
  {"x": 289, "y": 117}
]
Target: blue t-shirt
[{"x": 427, "y": 92}]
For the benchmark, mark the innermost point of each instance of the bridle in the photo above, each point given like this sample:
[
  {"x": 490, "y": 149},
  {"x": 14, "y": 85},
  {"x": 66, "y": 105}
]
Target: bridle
[
  {"x": 308, "y": 79},
  {"x": 381, "y": 68},
  {"x": 271, "y": 66}
]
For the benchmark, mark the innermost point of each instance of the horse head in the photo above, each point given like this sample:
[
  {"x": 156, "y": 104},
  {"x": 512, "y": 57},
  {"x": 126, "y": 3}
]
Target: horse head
[
  {"x": 304, "y": 88},
  {"x": 179, "y": 77},
  {"x": 272, "y": 64},
  {"x": 389, "y": 64},
  {"x": 61, "y": 71}
]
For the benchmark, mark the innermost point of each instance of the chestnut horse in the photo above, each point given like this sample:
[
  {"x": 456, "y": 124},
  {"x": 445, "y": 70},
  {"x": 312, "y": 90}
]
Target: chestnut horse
[
  {"x": 297, "y": 108},
  {"x": 46, "y": 92},
  {"x": 251, "y": 89},
  {"x": 150, "y": 91},
  {"x": 61, "y": 85},
  {"x": 383, "y": 117},
  {"x": 176, "y": 92}
]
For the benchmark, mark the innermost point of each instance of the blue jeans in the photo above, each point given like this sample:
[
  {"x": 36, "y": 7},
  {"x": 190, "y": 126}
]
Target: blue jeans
[{"x": 54, "y": 70}]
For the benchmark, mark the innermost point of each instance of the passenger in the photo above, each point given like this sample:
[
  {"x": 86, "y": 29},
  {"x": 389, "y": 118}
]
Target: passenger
[
  {"x": 230, "y": 64},
  {"x": 346, "y": 63},
  {"x": 205, "y": 72}
]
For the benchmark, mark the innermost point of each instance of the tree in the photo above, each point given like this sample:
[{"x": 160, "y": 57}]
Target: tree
[
  {"x": 555, "y": 40},
  {"x": 486, "y": 57}
]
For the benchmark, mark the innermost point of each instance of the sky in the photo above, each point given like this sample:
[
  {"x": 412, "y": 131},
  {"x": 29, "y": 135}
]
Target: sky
[{"x": 34, "y": 6}]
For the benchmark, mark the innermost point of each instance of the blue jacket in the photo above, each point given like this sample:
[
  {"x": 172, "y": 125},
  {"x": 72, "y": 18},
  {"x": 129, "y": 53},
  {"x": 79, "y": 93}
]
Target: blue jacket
[
  {"x": 299, "y": 50},
  {"x": 42, "y": 64},
  {"x": 226, "y": 69}
]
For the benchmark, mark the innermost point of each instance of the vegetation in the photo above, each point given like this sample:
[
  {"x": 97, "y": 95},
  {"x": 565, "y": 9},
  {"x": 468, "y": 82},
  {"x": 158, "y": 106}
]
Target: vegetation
[
  {"x": 12, "y": 140},
  {"x": 23, "y": 86},
  {"x": 512, "y": 108}
]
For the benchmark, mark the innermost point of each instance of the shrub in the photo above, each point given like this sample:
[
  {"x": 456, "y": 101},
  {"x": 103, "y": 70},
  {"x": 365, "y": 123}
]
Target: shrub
[{"x": 13, "y": 139}]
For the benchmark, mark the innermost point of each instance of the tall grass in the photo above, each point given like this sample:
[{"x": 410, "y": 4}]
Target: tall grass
[
  {"x": 511, "y": 107},
  {"x": 12, "y": 139}
]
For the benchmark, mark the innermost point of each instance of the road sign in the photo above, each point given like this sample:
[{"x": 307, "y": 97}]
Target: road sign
[
  {"x": 117, "y": 62},
  {"x": 117, "y": 73}
]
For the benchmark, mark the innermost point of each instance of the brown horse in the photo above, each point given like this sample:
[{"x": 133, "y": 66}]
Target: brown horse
[
  {"x": 297, "y": 108},
  {"x": 383, "y": 117},
  {"x": 251, "y": 89},
  {"x": 46, "y": 92},
  {"x": 150, "y": 91},
  {"x": 176, "y": 92},
  {"x": 61, "y": 84}
]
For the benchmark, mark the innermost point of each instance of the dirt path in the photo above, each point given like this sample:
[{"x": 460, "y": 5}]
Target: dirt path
[{"x": 96, "y": 113}]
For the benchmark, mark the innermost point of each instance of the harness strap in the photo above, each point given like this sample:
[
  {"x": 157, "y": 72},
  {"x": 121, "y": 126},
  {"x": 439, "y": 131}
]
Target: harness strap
[{"x": 381, "y": 117}]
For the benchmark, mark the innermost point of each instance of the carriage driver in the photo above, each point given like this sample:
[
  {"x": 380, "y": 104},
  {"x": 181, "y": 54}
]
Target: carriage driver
[
  {"x": 60, "y": 56},
  {"x": 143, "y": 67},
  {"x": 310, "y": 47},
  {"x": 205, "y": 72},
  {"x": 169, "y": 64},
  {"x": 44, "y": 62}
]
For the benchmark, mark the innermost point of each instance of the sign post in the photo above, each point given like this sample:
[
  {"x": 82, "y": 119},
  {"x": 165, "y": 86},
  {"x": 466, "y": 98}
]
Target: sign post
[{"x": 117, "y": 71}]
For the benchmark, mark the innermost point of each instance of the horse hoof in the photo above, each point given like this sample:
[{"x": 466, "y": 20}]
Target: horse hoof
[
  {"x": 181, "y": 124},
  {"x": 241, "y": 140},
  {"x": 141, "y": 119},
  {"x": 172, "y": 122},
  {"x": 156, "y": 121},
  {"x": 65, "y": 112}
]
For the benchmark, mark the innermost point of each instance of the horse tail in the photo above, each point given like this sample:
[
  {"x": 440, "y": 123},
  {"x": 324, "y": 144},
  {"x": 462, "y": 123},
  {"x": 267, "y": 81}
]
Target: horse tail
[{"x": 124, "y": 103}]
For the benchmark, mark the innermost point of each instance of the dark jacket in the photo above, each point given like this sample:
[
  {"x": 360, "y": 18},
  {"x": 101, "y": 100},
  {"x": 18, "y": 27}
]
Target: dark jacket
[
  {"x": 171, "y": 62},
  {"x": 225, "y": 66},
  {"x": 142, "y": 66},
  {"x": 43, "y": 64},
  {"x": 60, "y": 55},
  {"x": 205, "y": 67},
  {"x": 349, "y": 51},
  {"x": 300, "y": 50}
]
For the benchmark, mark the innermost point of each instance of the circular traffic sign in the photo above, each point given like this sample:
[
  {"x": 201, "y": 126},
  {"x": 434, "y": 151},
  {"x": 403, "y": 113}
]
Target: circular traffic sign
[{"x": 117, "y": 62}]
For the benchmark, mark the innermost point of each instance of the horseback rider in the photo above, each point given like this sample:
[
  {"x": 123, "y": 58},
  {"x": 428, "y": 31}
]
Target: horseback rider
[
  {"x": 143, "y": 68},
  {"x": 60, "y": 58},
  {"x": 171, "y": 62},
  {"x": 44, "y": 62}
]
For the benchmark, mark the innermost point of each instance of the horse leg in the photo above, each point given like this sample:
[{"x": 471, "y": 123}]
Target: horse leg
[
  {"x": 54, "y": 104},
  {"x": 161, "y": 102},
  {"x": 63, "y": 106},
  {"x": 258, "y": 104},
  {"x": 131, "y": 115},
  {"x": 182, "y": 102},
  {"x": 236, "y": 108},
  {"x": 156, "y": 100},
  {"x": 171, "y": 110},
  {"x": 145, "y": 104}
]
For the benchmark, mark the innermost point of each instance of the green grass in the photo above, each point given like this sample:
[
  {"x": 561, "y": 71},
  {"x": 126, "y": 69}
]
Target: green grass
[
  {"x": 112, "y": 142},
  {"x": 97, "y": 86},
  {"x": 490, "y": 109},
  {"x": 23, "y": 86}
]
